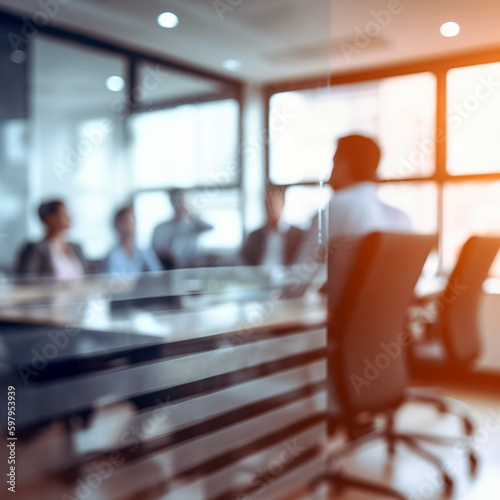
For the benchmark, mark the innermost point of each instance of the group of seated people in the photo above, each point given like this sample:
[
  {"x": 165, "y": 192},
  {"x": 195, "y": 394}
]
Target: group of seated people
[
  {"x": 354, "y": 210},
  {"x": 174, "y": 244}
]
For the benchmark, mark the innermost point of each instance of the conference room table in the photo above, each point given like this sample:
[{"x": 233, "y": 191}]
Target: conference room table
[{"x": 216, "y": 391}]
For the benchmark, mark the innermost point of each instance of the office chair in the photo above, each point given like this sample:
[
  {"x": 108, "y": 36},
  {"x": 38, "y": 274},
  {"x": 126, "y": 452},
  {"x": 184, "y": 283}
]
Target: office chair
[
  {"x": 368, "y": 374},
  {"x": 452, "y": 340}
]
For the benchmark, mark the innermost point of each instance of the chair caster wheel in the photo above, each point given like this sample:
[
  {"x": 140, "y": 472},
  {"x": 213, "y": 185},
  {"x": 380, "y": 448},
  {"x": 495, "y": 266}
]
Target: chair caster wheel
[
  {"x": 473, "y": 462},
  {"x": 468, "y": 427},
  {"x": 448, "y": 485}
]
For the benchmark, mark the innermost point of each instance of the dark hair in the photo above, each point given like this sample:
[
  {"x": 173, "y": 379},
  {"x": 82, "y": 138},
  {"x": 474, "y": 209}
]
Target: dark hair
[
  {"x": 121, "y": 213},
  {"x": 48, "y": 208},
  {"x": 363, "y": 156}
]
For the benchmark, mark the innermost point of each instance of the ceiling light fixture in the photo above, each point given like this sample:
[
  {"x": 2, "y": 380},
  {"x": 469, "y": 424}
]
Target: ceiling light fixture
[
  {"x": 232, "y": 64},
  {"x": 449, "y": 29},
  {"x": 168, "y": 20},
  {"x": 115, "y": 83}
]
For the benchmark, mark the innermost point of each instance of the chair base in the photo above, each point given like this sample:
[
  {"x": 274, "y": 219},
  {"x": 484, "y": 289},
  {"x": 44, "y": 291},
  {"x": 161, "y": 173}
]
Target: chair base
[
  {"x": 413, "y": 441},
  {"x": 443, "y": 404},
  {"x": 340, "y": 481}
]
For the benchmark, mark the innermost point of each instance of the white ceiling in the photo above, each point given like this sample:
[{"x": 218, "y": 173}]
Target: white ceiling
[{"x": 282, "y": 39}]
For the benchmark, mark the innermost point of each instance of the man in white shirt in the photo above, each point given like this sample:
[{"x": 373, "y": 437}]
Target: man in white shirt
[{"x": 356, "y": 209}]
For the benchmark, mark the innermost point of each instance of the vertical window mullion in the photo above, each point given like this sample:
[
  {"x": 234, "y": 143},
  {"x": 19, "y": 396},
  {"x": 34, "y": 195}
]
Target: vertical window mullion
[{"x": 440, "y": 174}]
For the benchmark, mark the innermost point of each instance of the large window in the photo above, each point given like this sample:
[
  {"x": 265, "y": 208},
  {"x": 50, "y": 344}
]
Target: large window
[
  {"x": 417, "y": 199},
  {"x": 473, "y": 108},
  {"x": 458, "y": 197},
  {"x": 159, "y": 86},
  {"x": 469, "y": 208},
  {"x": 399, "y": 112},
  {"x": 77, "y": 139},
  {"x": 101, "y": 139},
  {"x": 186, "y": 146}
]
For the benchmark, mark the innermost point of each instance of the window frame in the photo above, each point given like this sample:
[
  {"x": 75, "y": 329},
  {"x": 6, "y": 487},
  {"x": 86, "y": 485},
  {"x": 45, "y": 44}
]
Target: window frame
[
  {"x": 231, "y": 88},
  {"x": 439, "y": 67}
]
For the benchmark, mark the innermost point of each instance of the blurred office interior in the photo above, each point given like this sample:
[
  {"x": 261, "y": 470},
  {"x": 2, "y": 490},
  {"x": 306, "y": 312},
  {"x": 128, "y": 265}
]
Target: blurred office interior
[{"x": 204, "y": 110}]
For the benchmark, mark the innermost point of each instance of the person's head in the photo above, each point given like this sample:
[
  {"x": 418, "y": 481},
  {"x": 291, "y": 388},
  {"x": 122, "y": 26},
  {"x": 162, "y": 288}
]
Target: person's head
[
  {"x": 356, "y": 160},
  {"x": 54, "y": 216},
  {"x": 275, "y": 202},
  {"x": 125, "y": 223},
  {"x": 178, "y": 201}
]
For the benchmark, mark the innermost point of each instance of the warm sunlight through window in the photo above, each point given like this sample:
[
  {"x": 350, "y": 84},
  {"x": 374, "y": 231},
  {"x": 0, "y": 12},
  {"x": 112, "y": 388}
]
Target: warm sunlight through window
[
  {"x": 186, "y": 146},
  {"x": 470, "y": 208},
  {"x": 416, "y": 199},
  {"x": 399, "y": 112},
  {"x": 473, "y": 108}
]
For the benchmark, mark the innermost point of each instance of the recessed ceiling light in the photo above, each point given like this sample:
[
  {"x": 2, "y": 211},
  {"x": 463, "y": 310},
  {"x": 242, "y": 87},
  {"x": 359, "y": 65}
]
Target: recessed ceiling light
[
  {"x": 168, "y": 20},
  {"x": 449, "y": 29},
  {"x": 232, "y": 64},
  {"x": 115, "y": 83}
]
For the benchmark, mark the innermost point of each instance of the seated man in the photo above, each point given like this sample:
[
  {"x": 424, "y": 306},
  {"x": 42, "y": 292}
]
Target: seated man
[
  {"x": 126, "y": 257},
  {"x": 355, "y": 211},
  {"x": 276, "y": 243},
  {"x": 355, "y": 208},
  {"x": 176, "y": 241}
]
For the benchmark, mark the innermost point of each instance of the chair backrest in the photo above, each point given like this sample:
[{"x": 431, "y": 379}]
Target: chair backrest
[
  {"x": 365, "y": 326},
  {"x": 459, "y": 304},
  {"x": 21, "y": 258}
]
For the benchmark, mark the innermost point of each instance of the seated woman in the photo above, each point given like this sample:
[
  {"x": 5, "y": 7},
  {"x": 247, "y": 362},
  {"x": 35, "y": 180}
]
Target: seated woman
[
  {"x": 126, "y": 257},
  {"x": 53, "y": 256}
]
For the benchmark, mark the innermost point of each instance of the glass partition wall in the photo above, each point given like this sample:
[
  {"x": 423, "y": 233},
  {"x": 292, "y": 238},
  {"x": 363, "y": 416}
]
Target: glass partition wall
[
  {"x": 437, "y": 127},
  {"x": 100, "y": 127}
]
